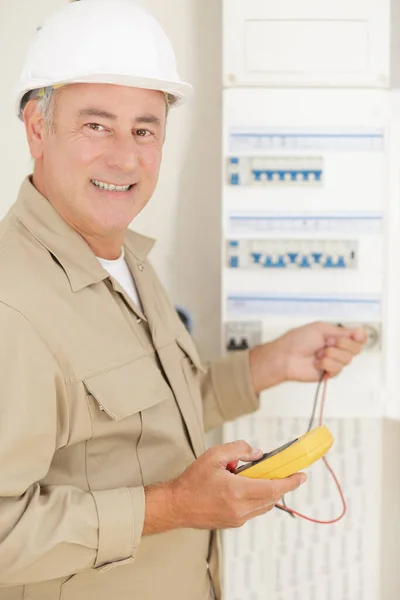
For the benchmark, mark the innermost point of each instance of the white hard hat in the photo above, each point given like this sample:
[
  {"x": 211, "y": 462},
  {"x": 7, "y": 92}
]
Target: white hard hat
[{"x": 102, "y": 41}]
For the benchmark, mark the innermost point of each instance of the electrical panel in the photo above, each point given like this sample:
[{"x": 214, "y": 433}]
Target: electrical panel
[
  {"x": 311, "y": 232},
  {"x": 310, "y": 43}
]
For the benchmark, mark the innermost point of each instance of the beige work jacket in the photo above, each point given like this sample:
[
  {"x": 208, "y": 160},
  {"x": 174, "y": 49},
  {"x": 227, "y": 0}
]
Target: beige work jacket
[{"x": 97, "y": 401}]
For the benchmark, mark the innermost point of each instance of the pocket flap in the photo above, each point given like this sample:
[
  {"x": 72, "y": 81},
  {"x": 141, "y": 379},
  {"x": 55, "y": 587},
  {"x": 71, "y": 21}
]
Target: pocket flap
[
  {"x": 128, "y": 389},
  {"x": 186, "y": 344}
]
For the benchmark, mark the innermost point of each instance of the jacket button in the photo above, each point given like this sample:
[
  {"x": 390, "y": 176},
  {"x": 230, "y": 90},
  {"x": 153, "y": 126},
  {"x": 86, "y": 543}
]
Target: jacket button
[{"x": 140, "y": 267}]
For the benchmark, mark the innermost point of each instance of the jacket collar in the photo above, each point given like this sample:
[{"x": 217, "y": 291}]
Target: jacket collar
[{"x": 64, "y": 243}]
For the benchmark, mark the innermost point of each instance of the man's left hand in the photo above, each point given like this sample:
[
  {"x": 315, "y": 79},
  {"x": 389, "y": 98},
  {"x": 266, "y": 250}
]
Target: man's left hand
[{"x": 303, "y": 354}]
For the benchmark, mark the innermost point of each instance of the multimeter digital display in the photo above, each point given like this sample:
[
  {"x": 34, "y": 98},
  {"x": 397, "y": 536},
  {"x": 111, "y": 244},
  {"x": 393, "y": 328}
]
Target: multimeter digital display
[
  {"x": 290, "y": 458},
  {"x": 264, "y": 456}
]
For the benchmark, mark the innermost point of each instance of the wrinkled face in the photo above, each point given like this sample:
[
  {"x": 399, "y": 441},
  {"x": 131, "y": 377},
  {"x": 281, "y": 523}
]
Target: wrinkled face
[{"x": 98, "y": 165}]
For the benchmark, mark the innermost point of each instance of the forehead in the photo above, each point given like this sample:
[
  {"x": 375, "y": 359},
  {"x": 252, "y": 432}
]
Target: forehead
[{"x": 116, "y": 98}]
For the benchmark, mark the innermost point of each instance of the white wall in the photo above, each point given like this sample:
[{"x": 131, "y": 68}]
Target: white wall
[{"x": 184, "y": 214}]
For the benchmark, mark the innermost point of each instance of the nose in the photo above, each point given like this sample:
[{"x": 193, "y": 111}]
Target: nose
[{"x": 123, "y": 154}]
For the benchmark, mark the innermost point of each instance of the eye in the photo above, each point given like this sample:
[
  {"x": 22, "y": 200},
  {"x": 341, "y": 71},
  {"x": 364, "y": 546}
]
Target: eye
[
  {"x": 95, "y": 126},
  {"x": 143, "y": 132}
]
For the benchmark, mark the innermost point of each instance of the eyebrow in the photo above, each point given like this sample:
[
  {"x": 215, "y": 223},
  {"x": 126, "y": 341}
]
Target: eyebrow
[
  {"x": 104, "y": 114},
  {"x": 96, "y": 112}
]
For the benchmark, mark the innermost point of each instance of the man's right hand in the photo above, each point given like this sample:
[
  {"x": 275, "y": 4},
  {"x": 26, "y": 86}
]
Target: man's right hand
[{"x": 208, "y": 496}]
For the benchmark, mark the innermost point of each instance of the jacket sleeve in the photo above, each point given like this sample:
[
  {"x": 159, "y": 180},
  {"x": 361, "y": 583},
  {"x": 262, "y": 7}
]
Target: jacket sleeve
[
  {"x": 227, "y": 390},
  {"x": 54, "y": 531}
]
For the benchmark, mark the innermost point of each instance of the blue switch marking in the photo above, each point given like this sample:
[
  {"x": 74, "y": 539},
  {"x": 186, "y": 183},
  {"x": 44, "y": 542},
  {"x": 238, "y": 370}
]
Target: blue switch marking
[
  {"x": 341, "y": 263},
  {"x": 317, "y": 257},
  {"x": 329, "y": 263},
  {"x": 234, "y": 161},
  {"x": 304, "y": 264},
  {"x": 256, "y": 256},
  {"x": 268, "y": 262},
  {"x": 281, "y": 262},
  {"x": 235, "y": 179},
  {"x": 234, "y": 262},
  {"x": 233, "y": 243},
  {"x": 292, "y": 257}
]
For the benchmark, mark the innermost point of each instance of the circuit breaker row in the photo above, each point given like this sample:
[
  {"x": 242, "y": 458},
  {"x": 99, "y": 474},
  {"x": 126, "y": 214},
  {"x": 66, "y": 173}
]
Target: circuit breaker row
[{"x": 291, "y": 254}]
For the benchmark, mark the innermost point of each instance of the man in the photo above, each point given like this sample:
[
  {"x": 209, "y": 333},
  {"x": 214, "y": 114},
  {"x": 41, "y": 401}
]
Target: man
[{"x": 106, "y": 488}]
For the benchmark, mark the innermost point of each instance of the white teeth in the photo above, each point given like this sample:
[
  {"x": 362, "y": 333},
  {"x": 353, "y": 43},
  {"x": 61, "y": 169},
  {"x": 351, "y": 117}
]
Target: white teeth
[{"x": 110, "y": 187}]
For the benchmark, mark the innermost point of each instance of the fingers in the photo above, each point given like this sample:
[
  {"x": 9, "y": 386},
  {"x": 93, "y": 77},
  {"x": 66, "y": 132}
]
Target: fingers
[
  {"x": 334, "y": 358},
  {"x": 359, "y": 336},
  {"x": 280, "y": 487},
  {"x": 349, "y": 344},
  {"x": 337, "y": 331},
  {"x": 343, "y": 357},
  {"x": 269, "y": 491},
  {"x": 232, "y": 452},
  {"x": 256, "y": 496},
  {"x": 331, "y": 367},
  {"x": 260, "y": 511}
]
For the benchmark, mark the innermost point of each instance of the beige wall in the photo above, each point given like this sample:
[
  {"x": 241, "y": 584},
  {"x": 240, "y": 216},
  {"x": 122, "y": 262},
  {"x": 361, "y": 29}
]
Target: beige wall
[{"x": 184, "y": 214}]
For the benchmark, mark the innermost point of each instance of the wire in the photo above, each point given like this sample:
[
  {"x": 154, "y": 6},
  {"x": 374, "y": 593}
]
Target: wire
[
  {"x": 285, "y": 508},
  {"x": 314, "y": 410},
  {"x": 324, "y": 381},
  {"x": 312, "y": 418}
]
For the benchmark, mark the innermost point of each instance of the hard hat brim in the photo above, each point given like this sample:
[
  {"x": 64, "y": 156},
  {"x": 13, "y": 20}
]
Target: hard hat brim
[{"x": 179, "y": 92}]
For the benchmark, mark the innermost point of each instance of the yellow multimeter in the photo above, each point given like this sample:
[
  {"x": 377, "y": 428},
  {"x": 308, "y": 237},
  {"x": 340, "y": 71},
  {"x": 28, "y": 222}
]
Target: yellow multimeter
[{"x": 290, "y": 458}]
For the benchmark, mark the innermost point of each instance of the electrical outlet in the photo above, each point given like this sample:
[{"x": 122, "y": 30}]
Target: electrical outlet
[
  {"x": 292, "y": 254},
  {"x": 240, "y": 335},
  {"x": 275, "y": 170}
]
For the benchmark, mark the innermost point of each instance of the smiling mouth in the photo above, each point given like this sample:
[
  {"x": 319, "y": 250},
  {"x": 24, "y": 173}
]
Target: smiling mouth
[{"x": 111, "y": 187}]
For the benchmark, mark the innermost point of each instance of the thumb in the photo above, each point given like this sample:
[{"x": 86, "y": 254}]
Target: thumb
[
  {"x": 332, "y": 332},
  {"x": 235, "y": 451},
  {"x": 359, "y": 335}
]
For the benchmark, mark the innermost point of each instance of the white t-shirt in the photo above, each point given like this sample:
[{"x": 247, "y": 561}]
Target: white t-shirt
[{"x": 120, "y": 271}]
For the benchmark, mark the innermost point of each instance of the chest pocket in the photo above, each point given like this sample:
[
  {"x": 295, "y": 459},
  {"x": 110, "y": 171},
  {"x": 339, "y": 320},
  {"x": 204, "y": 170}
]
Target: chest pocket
[
  {"x": 126, "y": 390},
  {"x": 119, "y": 401}
]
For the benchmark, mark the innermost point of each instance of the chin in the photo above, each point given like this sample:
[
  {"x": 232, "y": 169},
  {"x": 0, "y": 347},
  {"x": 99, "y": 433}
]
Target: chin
[{"x": 120, "y": 224}]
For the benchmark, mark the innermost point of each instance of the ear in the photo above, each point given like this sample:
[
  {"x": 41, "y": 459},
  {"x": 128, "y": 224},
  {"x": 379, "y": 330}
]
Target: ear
[{"x": 35, "y": 129}]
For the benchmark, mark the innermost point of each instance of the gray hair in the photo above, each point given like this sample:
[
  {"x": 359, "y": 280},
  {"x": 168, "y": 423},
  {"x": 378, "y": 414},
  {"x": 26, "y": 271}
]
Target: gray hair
[
  {"x": 45, "y": 101},
  {"x": 46, "y": 106}
]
